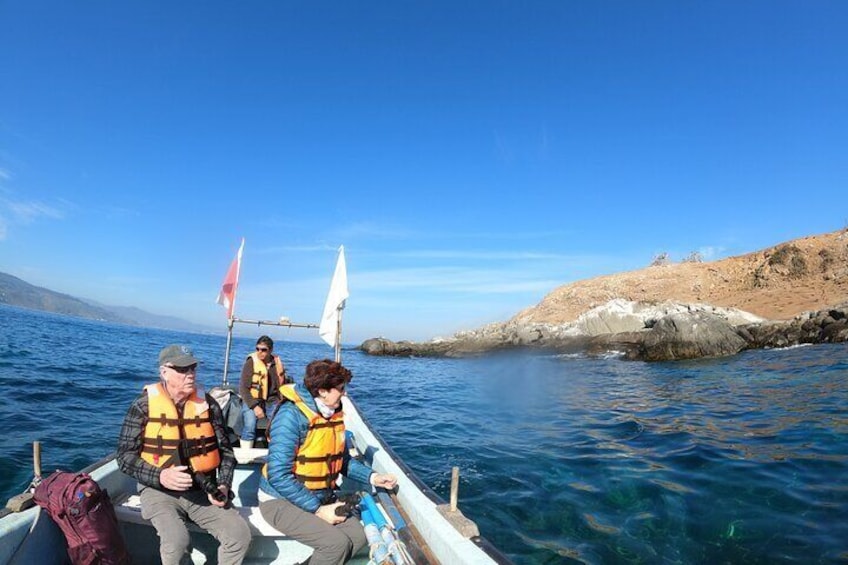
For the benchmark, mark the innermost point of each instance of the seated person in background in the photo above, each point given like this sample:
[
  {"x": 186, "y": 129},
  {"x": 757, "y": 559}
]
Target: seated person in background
[
  {"x": 261, "y": 377},
  {"x": 172, "y": 439},
  {"x": 306, "y": 454}
]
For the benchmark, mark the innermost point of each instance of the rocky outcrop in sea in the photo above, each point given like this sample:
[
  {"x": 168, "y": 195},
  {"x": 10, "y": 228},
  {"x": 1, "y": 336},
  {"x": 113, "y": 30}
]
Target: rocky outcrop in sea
[{"x": 639, "y": 331}]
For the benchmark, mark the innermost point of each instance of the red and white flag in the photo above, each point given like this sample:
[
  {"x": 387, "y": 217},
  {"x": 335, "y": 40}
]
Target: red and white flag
[{"x": 227, "y": 296}]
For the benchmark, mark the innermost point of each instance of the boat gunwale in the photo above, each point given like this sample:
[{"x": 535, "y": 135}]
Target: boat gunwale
[{"x": 5, "y": 511}]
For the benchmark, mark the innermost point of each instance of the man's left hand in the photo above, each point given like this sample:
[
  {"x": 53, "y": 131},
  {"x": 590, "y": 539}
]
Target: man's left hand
[{"x": 224, "y": 489}]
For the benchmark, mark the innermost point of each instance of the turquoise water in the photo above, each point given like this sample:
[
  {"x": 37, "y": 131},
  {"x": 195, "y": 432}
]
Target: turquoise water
[{"x": 563, "y": 459}]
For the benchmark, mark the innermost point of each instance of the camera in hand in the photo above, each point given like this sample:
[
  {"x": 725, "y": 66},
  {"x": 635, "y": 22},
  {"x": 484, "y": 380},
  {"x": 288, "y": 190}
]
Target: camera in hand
[
  {"x": 206, "y": 481},
  {"x": 351, "y": 503},
  {"x": 209, "y": 486}
]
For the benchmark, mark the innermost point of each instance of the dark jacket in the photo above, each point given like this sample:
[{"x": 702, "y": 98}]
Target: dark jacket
[{"x": 276, "y": 377}]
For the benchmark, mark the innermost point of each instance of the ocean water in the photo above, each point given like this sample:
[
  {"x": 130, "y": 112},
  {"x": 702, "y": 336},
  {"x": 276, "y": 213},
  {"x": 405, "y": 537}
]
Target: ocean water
[{"x": 562, "y": 459}]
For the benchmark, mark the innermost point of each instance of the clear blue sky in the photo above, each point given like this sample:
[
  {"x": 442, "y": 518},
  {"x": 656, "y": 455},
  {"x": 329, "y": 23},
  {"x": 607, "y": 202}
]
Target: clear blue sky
[{"x": 471, "y": 156}]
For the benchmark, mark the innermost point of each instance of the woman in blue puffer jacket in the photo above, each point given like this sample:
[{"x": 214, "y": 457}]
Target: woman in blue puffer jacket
[{"x": 306, "y": 454}]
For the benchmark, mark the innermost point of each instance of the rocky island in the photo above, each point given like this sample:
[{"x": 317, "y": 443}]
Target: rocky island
[{"x": 788, "y": 294}]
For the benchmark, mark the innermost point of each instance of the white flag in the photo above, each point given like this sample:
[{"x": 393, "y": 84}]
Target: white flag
[{"x": 329, "y": 328}]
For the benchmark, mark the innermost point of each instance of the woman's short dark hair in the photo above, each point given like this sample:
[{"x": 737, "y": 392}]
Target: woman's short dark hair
[
  {"x": 266, "y": 340},
  {"x": 325, "y": 374}
]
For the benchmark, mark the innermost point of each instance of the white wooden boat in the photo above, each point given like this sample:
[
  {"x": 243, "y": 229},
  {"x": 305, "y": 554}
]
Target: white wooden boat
[
  {"x": 435, "y": 533},
  {"x": 30, "y": 537}
]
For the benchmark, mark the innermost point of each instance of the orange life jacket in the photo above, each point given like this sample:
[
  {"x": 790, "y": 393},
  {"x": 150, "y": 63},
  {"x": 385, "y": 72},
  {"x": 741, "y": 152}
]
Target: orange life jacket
[
  {"x": 260, "y": 382},
  {"x": 318, "y": 460},
  {"x": 165, "y": 429}
]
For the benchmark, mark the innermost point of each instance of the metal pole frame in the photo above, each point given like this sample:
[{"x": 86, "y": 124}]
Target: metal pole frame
[
  {"x": 233, "y": 321},
  {"x": 227, "y": 355},
  {"x": 338, "y": 345}
]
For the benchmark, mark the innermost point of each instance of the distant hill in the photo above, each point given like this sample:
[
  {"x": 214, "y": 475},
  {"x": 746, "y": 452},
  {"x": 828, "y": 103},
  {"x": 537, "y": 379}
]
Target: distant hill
[
  {"x": 796, "y": 290},
  {"x": 17, "y": 292},
  {"x": 143, "y": 318},
  {"x": 777, "y": 283}
]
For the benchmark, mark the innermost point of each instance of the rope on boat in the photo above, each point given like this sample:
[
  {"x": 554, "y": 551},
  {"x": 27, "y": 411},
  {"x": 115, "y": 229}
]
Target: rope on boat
[{"x": 21, "y": 502}]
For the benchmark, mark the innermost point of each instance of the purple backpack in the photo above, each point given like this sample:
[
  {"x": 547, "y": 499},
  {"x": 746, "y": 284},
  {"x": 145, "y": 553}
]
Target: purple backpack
[{"x": 85, "y": 514}]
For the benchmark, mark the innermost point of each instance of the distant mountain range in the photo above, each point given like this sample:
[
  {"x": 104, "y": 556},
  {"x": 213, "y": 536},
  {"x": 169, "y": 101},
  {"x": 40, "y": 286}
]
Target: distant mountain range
[{"x": 17, "y": 292}]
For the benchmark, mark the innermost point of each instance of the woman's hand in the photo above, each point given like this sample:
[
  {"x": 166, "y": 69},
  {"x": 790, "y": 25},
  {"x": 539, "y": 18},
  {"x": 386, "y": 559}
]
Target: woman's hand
[
  {"x": 385, "y": 480},
  {"x": 327, "y": 512}
]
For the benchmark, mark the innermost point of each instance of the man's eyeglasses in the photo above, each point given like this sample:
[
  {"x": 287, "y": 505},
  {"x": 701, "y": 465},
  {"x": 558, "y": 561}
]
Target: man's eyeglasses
[
  {"x": 184, "y": 370},
  {"x": 261, "y": 349},
  {"x": 341, "y": 387}
]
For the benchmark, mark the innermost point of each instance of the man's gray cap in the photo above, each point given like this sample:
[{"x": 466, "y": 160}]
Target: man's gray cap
[{"x": 177, "y": 356}]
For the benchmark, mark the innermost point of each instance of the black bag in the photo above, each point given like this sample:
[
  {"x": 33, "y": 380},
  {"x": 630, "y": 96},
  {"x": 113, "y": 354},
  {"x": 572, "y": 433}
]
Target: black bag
[{"x": 86, "y": 516}]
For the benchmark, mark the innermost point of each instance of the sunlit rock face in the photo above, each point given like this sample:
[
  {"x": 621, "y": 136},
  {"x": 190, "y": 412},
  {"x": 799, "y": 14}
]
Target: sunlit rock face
[{"x": 780, "y": 296}]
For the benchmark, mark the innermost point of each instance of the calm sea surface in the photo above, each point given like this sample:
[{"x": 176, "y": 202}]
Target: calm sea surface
[{"x": 562, "y": 459}]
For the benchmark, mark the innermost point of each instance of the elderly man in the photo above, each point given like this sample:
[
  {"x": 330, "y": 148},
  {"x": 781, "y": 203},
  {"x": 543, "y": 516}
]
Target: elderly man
[{"x": 173, "y": 442}]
